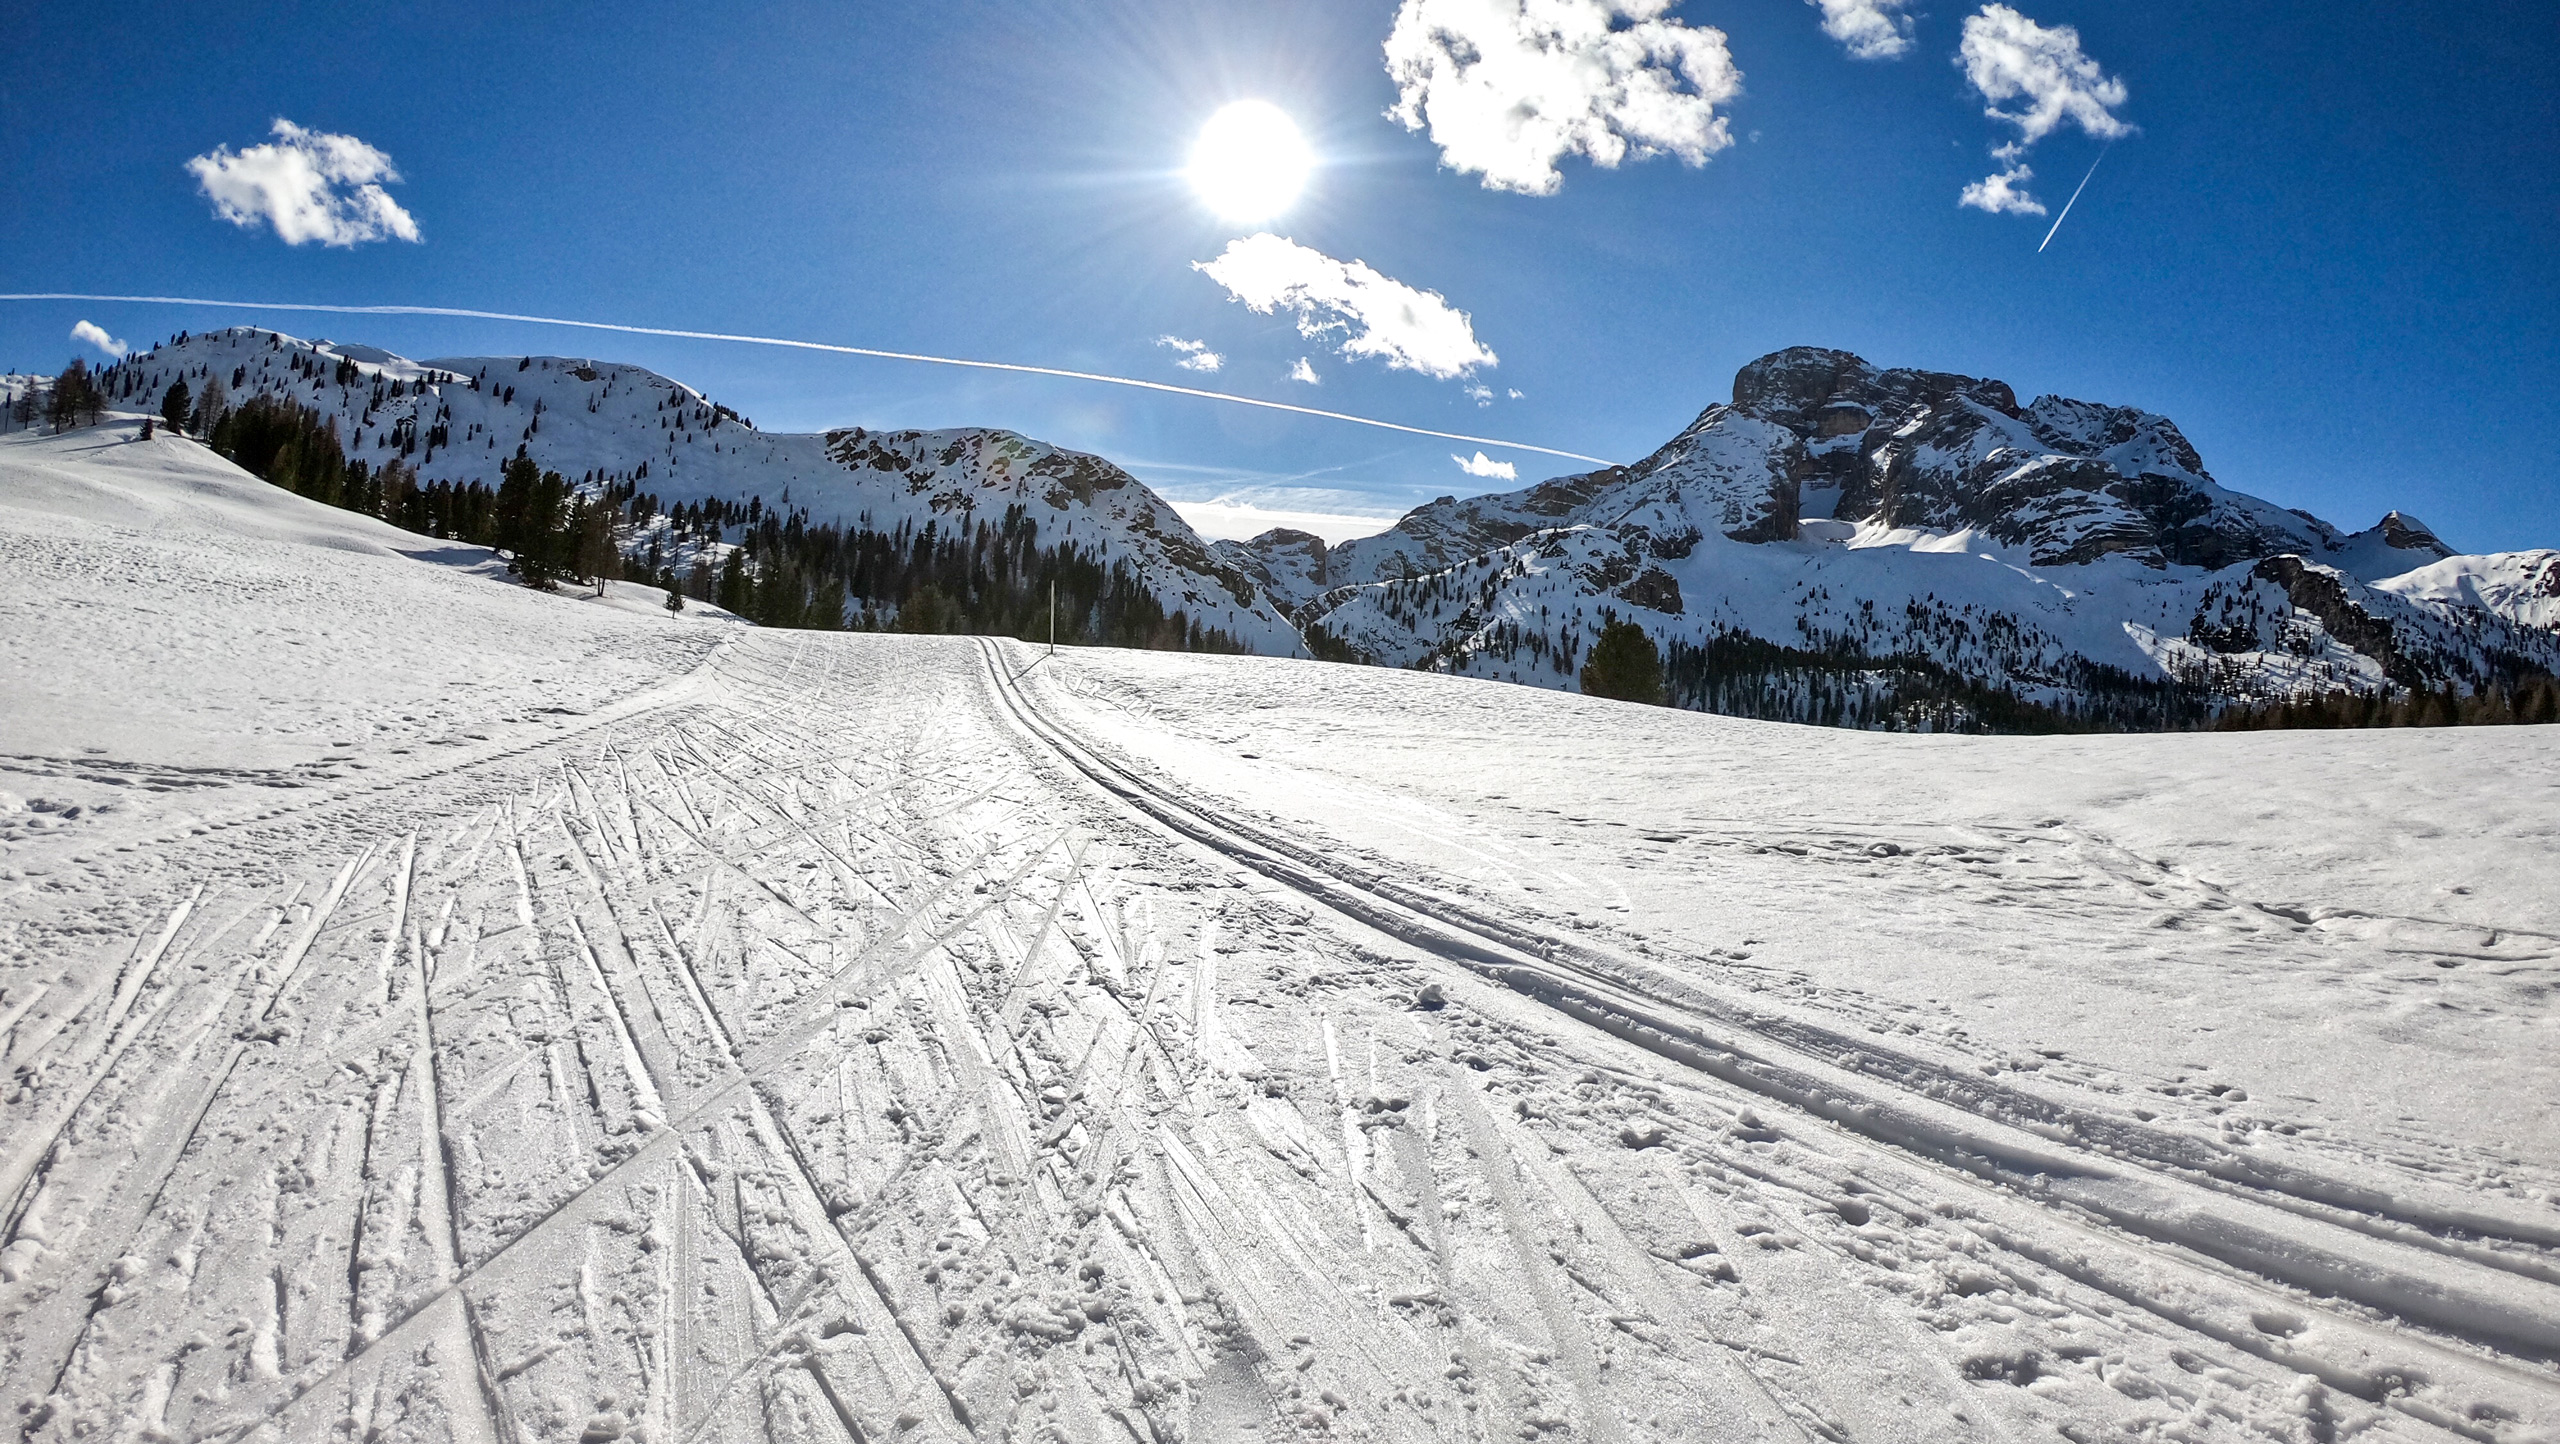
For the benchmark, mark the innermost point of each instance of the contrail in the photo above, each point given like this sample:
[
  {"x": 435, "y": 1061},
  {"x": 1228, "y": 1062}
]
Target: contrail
[
  {"x": 2075, "y": 196},
  {"x": 806, "y": 346}
]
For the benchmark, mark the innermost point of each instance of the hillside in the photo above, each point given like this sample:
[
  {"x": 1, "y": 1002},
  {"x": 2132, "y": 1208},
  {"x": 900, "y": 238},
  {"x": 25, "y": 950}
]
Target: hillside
[
  {"x": 458, "y": 420},
  {"x": 439, "y": 1011},
  {"x": 1887, "y": 548}
]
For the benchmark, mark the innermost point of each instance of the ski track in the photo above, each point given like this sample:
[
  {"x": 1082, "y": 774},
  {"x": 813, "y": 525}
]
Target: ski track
[{"x": 838, "y": 1042}]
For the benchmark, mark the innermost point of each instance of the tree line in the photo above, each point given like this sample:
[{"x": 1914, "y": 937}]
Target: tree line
[
  {"x": 2528, "y": 700},
  {"x": 988, "y": 577}
]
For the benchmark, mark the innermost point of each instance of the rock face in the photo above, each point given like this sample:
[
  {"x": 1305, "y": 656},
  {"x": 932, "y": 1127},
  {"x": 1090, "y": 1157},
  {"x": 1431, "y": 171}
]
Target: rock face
[
  {"x": 1813, "y": 434},
  {"x": 1838, "y": 536}
]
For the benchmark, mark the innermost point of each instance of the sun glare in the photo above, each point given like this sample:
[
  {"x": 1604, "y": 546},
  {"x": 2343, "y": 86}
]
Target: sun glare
[{"x": 1249, "y": 162}]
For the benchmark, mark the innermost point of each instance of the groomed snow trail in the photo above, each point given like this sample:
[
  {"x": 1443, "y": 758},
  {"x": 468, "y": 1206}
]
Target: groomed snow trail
[
  {"x": 434, "y": 1011},
  {"x": 841, "y": 1046}
]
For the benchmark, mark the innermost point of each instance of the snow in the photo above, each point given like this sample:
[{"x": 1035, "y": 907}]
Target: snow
[
  {"x": 273, "y": 632},
  {"x": 581, "y": 416},
  {"x": 435, "y": 1010},
  {"x": 2523, "y": 587},
  {"x": 2071, "y": 555}
]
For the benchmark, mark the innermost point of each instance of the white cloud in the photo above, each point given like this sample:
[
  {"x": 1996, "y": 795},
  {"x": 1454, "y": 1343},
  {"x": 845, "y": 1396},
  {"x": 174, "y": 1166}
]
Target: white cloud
[
  {"x": 309, "y": 185},
  {"x": 1304, "y": 372},
  {"x": 1872, "y": 29},
  {"x": 1196, "y": 355},
  {"x": 1515, "y": 394},
  {"x": 1384, "y": 318},
  {"x": 2003, "y": 194},
  {"x": 1510, "y": 87},
  {"x": 1237, "y": 521},
  {"x": 90, "y": 333},
  {"x": 2007, "y": 57},
  {"x": 1481, "y": 395},
  {"x": 1483, "y": 465}
]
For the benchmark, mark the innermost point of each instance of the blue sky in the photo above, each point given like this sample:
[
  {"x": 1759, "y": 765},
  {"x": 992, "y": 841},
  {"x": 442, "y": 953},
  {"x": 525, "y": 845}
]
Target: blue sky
[{"x": 2326, "y": 248}]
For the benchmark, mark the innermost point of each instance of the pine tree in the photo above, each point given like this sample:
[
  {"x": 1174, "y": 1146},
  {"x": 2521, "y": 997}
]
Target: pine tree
[
  {"x": 2542, "y": 703},
  {"x": 517, "y": 481},
  {"x": 532, "y": 522},
  {"x": 173, "y": 406},
  {"x": 737, "y": 589},
  {"x": 675, "y": 598},
  {"x": 1624, "y": 665}
]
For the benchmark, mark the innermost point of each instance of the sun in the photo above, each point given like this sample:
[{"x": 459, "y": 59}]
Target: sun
[{"x": 1249, "y": 162}]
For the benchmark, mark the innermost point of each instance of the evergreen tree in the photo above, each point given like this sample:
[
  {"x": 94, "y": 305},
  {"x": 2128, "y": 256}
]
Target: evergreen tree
[
  {"x": 675, "y": 598},
  {"x": 532, "y": 522},
  {"x": 173, "y": 406},
  {"x": 928, "y": 611},
  {"x": 517, "y": 482},
  {"x": 737, "y": 589},
  {"x": 2539, "y": 702},
  {"x": 1624, "y": 665}
]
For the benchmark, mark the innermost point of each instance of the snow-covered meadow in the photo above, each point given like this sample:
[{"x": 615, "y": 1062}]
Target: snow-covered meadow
[{"x": 433, "y": 1010}]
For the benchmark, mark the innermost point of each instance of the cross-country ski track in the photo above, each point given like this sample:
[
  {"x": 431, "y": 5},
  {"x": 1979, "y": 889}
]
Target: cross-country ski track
[
  {"x": 432, "y": 1010},
  {"x": 846, "y": 1044}
]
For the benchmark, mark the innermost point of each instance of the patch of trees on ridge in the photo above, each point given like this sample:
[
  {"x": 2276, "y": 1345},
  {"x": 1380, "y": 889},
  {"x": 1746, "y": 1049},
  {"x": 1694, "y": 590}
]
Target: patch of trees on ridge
[
  {"x": 990, "y": 578},
  {"x": 2529, "y": 700},
  {"x": 1843, "y": 685}
]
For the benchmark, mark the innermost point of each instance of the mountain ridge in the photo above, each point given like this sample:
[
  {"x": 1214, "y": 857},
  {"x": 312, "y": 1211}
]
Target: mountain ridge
[
  {"x": 599, "y": 423},
  {"x": 1897, "y": 547},
  {"x": 1836, "y": 542}
]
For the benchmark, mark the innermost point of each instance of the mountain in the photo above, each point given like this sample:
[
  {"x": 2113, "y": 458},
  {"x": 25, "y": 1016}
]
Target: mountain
[
  {"x": 1838, "y": 543},
  {"x": 459, "y": 419},
  {"x": 1895, "y": 547}
]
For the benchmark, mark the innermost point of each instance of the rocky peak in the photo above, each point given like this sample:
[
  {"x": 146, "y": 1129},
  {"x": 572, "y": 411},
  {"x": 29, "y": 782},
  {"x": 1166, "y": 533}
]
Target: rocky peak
[
  {"x": 1817, "y": 432},
  {"x": 1815, "y": 392},
  {"x": 2404, "y": 532}
]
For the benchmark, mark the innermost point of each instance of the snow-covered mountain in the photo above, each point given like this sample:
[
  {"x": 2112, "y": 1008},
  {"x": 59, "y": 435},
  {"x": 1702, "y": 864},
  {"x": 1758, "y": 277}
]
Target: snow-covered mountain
[
  {"x": 1840, "y": 540},
  {"x": 1838, "y": 543},
  {"x": 460, "y": 418}
]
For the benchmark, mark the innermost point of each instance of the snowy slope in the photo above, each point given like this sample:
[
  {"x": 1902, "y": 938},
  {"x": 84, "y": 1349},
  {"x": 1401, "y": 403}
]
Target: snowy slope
[
  {"x": 272, "y": 632},
  {"x": 460, "y": 418},
  {"x": 643, "y": 1027},
  {"x": 2523, "y": 587},
  {"x": 2066, "y": 553}
]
